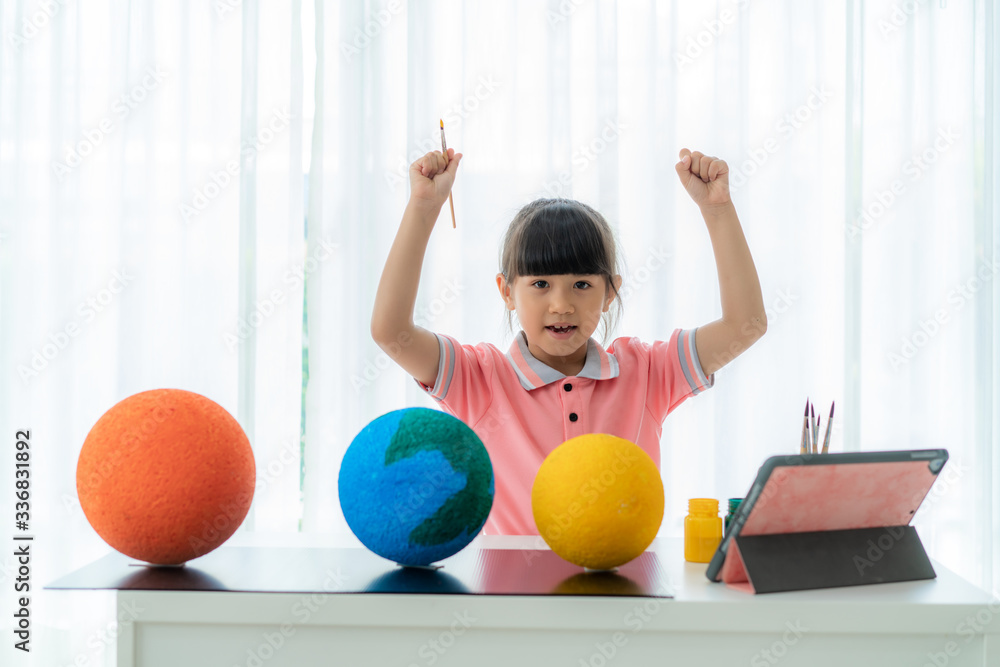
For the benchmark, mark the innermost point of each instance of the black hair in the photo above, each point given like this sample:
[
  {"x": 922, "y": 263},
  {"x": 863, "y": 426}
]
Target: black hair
[{"x": 551, "y": 237}]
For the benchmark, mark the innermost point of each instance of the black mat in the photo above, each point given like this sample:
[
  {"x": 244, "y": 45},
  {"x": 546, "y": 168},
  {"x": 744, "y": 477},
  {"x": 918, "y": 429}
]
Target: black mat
[{"x": 314, "y": 570}]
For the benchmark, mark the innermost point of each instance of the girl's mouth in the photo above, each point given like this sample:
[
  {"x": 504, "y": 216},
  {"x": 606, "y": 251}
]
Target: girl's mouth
[{"x": 561, "y": 332}]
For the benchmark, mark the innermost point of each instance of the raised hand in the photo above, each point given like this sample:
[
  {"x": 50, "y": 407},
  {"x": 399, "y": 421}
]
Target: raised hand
[
  {"x": 705, "y": 178},
  {"x": 432, "y": 176}
]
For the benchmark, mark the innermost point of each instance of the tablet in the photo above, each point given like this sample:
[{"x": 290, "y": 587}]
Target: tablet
[{"x": 808, "y": 493}]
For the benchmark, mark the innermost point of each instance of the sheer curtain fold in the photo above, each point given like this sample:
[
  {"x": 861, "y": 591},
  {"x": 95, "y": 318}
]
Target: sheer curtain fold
[
  {"x": 281, "y": 261},
  {"x": 987, "y": 115}
]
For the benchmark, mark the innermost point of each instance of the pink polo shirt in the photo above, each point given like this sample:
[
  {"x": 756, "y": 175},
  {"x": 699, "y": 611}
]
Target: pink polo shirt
[{"x": 522, "y": 409}]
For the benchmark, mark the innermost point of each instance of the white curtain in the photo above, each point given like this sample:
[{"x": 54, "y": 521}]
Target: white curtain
[
  {"x": 151, "y": 235},
  {"x": 203, "y": 195}
]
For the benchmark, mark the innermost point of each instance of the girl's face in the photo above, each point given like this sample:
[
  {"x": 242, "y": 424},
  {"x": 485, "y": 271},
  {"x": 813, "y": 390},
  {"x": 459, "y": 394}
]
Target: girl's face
[{"x": 558, "y": 314}]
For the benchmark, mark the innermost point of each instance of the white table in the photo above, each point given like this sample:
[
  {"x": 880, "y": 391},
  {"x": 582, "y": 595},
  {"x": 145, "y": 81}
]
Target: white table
[{"x": 946, "y": 621}]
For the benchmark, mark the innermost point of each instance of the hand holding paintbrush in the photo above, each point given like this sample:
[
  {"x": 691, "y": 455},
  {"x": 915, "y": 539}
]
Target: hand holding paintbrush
[{"x": 432, "y": 177}]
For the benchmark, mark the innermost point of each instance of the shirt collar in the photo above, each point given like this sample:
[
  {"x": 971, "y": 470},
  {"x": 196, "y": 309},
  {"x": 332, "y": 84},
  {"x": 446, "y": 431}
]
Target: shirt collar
[{"x": 599, "y": 365}]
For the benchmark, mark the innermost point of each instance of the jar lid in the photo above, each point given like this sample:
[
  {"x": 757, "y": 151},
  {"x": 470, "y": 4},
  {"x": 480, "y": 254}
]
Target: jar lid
[{"x": 703, "y": 505}]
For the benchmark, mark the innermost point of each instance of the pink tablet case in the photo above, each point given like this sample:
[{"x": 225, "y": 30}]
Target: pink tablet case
[{"x": 832, "y": 525}]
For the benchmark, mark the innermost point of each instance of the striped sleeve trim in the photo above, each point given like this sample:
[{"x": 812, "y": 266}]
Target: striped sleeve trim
[
  {"x": 446, "y": 369},
  {"x": 687, "y": 352}
]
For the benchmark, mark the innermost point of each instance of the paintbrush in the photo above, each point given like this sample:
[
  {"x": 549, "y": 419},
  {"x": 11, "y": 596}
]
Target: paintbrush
[
  {"x": 444, "y": 149},
  {"x": 829, "y": 423},
  {"x": 805, "y": 430}
]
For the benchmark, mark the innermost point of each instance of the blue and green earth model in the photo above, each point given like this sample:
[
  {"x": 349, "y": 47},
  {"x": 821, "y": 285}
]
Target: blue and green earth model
[{"x": 416, "y": 485}]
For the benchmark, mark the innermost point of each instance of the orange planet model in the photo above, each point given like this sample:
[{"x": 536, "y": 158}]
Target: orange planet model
[{"x": 166, "y": 476}]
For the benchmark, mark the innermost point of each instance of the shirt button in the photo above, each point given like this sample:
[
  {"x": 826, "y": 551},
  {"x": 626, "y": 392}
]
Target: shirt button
[
  {"x": 573, "y": 417},
  {"x": 568, "y": 387}
]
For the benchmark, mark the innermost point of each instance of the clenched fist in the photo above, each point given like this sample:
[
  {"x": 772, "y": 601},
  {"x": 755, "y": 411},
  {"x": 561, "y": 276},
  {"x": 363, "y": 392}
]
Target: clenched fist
[
  {"x": 705, "y": 178},
  {"x": 432, "y": 176}
]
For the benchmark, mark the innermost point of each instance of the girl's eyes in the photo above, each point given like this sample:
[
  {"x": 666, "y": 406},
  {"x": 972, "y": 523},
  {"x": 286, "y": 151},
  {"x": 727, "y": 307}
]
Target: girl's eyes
[{"x": 542, "y": 284}]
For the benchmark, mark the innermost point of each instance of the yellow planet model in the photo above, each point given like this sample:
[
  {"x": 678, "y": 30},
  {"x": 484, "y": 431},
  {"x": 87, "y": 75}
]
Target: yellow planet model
[{"x": 598, "y": 501}]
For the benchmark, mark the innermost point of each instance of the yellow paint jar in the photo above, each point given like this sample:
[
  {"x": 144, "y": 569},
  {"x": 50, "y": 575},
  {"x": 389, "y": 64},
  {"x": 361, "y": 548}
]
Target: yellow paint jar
[{"x": 702, "y": 530}]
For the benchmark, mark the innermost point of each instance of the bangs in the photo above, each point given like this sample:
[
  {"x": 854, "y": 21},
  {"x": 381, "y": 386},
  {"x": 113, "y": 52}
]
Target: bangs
[{"x": 561, "y": 240}]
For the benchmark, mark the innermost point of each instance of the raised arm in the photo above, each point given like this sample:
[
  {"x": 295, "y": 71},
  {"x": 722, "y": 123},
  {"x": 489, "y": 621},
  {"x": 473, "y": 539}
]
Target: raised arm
[
  {"x": 743, "y": 318},
  {"x": 414, "y": 348}
]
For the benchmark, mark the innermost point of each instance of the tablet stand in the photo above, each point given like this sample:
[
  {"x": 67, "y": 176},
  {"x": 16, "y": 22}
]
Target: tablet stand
[{"x": 826, "y": 559}]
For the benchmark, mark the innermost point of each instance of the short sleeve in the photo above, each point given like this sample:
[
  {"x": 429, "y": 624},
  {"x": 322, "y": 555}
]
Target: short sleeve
[
  {"x": 675, "y": 372},
  {"x": 464, "y": 383}
]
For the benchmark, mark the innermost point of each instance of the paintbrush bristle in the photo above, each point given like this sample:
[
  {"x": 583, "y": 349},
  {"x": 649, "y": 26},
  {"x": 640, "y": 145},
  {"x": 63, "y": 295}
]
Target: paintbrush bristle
[{"x": 442, "y": 123}]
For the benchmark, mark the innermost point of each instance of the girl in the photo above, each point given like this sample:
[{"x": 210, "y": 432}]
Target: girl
[{"x": 559, "y": 273}]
